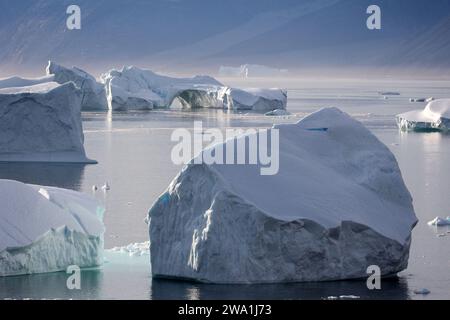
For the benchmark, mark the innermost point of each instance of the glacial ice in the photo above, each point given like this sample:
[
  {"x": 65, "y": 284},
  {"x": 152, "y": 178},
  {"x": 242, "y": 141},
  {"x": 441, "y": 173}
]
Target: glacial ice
[
  {"x": 93, "y": 93},
  {"x": 134, "y": 88},
  {"x": 41, "y": 123},
  {"x": 435, "y": 117},
  {"x": 337, "y": 205},
  {"x": 46, "y": 229}
]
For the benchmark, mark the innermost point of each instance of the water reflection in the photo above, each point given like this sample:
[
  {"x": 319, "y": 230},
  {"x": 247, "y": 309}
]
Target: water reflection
[
  {"x": 392, "y": 288},
  {"x": 69, "y": 176},
  {"x": 51, "y": 286}
]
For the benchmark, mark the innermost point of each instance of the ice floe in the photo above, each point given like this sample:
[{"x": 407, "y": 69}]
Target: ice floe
[{"x": 134, "y": 249}]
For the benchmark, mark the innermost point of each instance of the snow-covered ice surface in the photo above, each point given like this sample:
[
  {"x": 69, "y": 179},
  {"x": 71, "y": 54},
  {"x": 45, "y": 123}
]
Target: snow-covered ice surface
[
  {"x": 435, "y": 116},
  {"x": 93, "y": 93},
  {"x": 138, "y": 145},
  {"x": 46, "y": 229},
  {"x": 341, "y": 206},
  {"x": 41, "y": 123}
]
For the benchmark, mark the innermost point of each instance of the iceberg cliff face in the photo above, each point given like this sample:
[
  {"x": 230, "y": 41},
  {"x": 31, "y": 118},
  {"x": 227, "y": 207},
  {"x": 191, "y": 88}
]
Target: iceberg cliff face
[
  {"x": 134, "y": 88},
  {"x": 41, "y": 123},
  {"x": 46, "y": 229},
  {"x": 337, "y": 205},
  {"x": 435, "y": 117},
  {"x": 92, "y": 93}
]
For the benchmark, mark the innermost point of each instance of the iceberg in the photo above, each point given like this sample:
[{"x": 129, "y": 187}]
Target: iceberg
[
  {"x": 255, "y": 99},
  {"x": 135, "y": 89},
  {"x": 47, "y": 229},
  {"x": 93, "y": 93},
  {"x": 251, "y": 71},
  {"x": 337, "y": 205},
  {"x": 41, "y": 123},
  {"x": 435, "y": 117}
]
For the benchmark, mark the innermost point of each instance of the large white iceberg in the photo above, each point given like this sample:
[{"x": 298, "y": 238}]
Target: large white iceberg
[
  {"x": 42, "y": 123},
  {"x": 337, "y": 205},
  {"x": 435, "y": 117},
  {"x": 47, "y": 229},
  {"x": 134, "y": 88},
  {"x": 93, "y": 93}
]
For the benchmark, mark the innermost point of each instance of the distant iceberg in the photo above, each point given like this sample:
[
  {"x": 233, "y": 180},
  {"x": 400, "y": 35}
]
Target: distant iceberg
[
  {"x": 337, "y": 205},
  {"x": 42, "y": 123},
  {"x": 435, "y": 117},
  {"x": 47, "y": 229},
  {"x": 134, "y": 88},
  {"x": 250, "y": 71}
]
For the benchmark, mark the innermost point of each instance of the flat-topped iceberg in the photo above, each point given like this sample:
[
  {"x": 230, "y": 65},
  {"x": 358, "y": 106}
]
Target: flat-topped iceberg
[
  {"x": 134, "y": 88},
  {"x": 255, "y": 99},
  {"x": 337, "y": 205},
  {"x": 92, "y": 93},
  {"x": 435, "y": 117},
  {"x": 42, "y": 123},
  {"x": 47, "y": 229}
]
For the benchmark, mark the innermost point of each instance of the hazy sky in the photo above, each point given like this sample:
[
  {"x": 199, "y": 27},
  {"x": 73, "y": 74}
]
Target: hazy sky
[{"x": 202, "y": 35}]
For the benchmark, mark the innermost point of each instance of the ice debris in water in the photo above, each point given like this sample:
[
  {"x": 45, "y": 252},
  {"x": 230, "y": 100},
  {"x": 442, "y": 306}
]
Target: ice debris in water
[
  {"x": 134, "y": 249},
  {"x": 422, "y": 291}
]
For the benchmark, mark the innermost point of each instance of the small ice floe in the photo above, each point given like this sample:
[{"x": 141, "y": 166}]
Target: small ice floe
[
  {"x": 134, "y": 249},
  {"x": 439, "y": 222},
  {"x": 106, "y": 187},
  {"x": 441, "y": 235},
  {"x": 417, "y": 99},
  {"x": 389, "y": 93},
  {"x": 422, "y": 291},
  {"x": 278, "y": 112},
  {"x": 349, "y": 297}
]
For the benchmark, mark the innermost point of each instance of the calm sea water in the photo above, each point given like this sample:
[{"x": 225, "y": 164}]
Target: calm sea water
[{"x": 133, "y": 151}]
